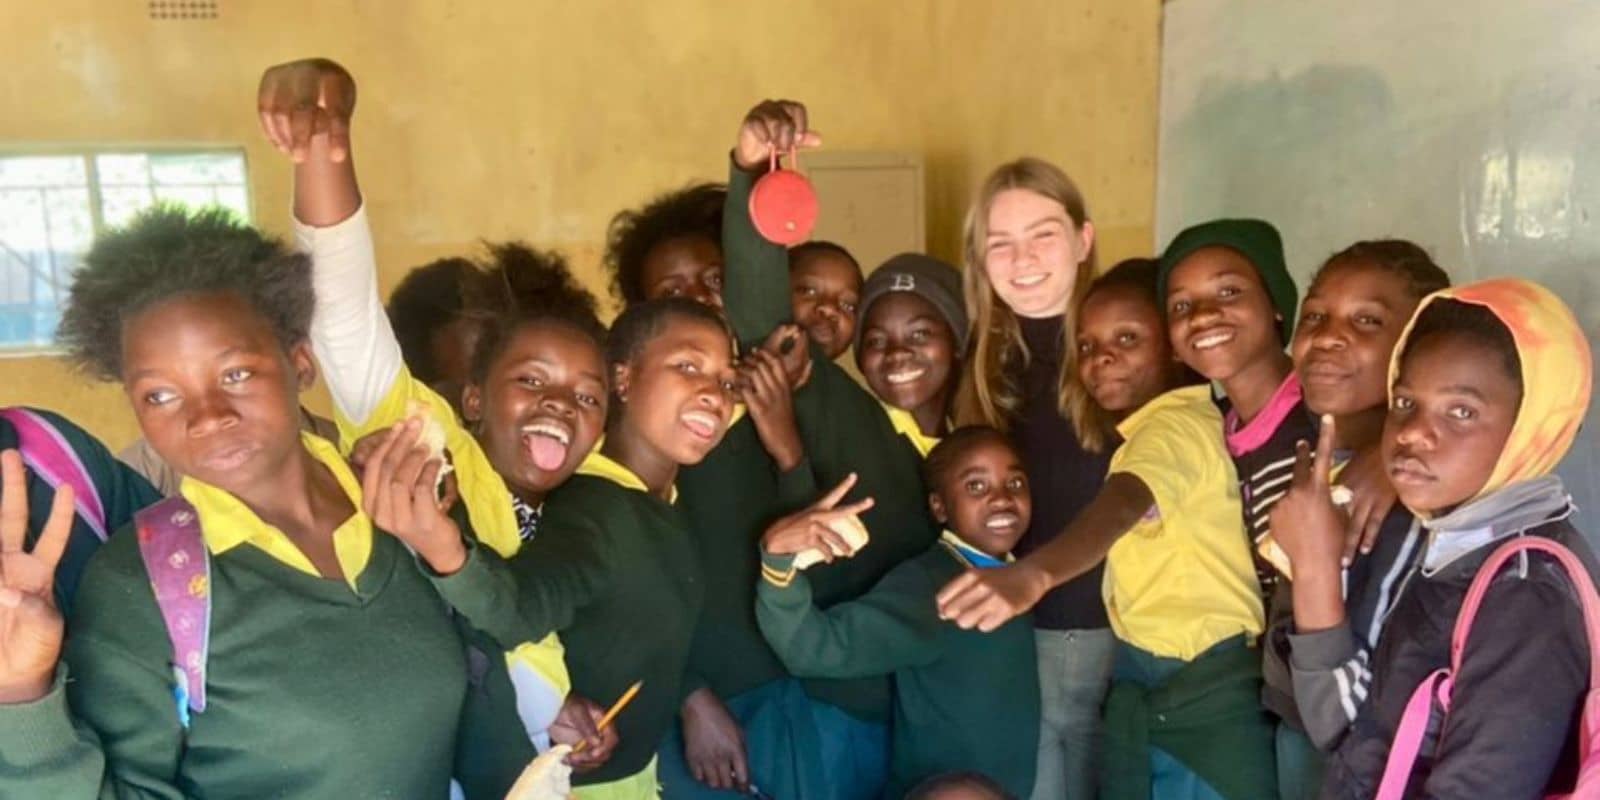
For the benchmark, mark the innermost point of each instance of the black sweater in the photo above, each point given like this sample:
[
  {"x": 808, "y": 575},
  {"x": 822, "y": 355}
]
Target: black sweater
[{"x": 1064, "y": 476}]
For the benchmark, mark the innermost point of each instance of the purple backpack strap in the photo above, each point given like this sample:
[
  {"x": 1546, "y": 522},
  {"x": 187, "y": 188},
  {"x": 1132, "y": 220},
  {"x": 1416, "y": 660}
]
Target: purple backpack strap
[
  {"x": 48, "y": 454},
  {"x": 179, "y": 567}
]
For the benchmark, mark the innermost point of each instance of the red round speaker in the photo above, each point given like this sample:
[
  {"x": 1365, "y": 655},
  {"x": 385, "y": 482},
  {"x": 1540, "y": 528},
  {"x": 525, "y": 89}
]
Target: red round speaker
[{"x": 783, "y": 204}]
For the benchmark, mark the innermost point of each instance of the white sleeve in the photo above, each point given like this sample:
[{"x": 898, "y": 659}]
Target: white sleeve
[{"x": 350, "y": 331}]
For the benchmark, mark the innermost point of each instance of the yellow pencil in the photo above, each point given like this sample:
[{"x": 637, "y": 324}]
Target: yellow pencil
[{"x": 611, "y": 714}]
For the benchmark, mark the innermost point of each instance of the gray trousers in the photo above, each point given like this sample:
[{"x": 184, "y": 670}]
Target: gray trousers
[{"x": 1074, "y": 674}]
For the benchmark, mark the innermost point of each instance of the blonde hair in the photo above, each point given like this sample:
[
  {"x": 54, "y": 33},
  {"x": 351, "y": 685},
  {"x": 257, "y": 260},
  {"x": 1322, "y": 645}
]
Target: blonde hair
[{"x": 991, "y": 387}]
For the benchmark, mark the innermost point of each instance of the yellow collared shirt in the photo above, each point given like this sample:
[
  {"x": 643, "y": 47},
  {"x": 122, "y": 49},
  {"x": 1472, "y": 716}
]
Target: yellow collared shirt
[
  {"x": 226, "y": 523},
  {"x": 602, "y": 466},
  {"x": 906, "y": 425},
  {"x": 1182, "y": 578},
  {"x": 488, "y": 499},
  {"x": 485, "y": 493}
]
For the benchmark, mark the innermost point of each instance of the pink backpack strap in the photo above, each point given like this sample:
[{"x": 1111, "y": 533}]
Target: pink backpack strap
[
  {"x": 1407, "y": 745},
  {"x": 1577, "y": 573},
  {"x": 179, "y": 567},
  {"x": 48, "y": 454},
  {"x": 1408, "y": 738}
]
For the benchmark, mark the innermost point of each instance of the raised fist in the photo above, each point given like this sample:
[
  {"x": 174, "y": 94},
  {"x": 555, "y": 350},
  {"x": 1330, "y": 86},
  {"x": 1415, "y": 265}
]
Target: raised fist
[
  {"x": 780, "y": 125},
  {"x": 303, "y": 99}
]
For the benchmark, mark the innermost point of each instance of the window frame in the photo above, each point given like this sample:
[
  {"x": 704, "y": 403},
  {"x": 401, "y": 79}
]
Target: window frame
[{"x": 89, "y": 152}]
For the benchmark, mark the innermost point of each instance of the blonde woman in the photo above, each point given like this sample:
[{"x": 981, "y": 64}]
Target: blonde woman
[{"x": 1029, "y": 256}]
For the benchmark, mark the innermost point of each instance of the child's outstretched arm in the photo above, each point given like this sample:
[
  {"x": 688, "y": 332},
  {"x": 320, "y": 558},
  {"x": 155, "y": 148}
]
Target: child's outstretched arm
[
  {"x": 987, "y": 599},
  {"x": 513, "y": 602},
  {"x": 306, "y": 109},
  {"x": 755, "y": 291},
  {"x": 350, "y": 332},
  {"x": 889, "y": 627}
]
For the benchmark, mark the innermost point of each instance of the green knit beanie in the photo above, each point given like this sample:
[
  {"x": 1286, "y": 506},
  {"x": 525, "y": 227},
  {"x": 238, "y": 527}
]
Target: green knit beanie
[{"x": 1254, "y": 239}]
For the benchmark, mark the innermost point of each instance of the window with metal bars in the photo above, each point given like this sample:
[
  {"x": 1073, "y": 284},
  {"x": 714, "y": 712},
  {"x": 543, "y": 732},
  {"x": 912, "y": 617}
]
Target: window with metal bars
[{"x": 53, "y": 203}]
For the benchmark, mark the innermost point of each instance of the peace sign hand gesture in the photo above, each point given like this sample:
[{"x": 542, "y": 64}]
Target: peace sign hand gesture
[
  {"x": 1306, "y": 523},
  {"x": 810, "y": 529},
  {"x": 31, "y": 627}
]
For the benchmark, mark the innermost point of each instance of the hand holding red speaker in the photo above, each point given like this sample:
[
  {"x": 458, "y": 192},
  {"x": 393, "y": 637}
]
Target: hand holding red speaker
[{"x": 783, "y": 203}]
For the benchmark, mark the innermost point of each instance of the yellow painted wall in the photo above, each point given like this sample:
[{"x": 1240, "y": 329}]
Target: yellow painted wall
[{"x": 541, "y": 119}]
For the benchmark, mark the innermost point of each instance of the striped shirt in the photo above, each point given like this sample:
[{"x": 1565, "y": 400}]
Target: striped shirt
[
  {"x": 528, "y": 517},
  {"x": 1263, "y": 452}
]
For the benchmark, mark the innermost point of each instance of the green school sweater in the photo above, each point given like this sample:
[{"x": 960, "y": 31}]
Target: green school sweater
[
  {"x": 844, "y": 430},
  {"x": 732, "y": 496},
  {"x": 963, "y": 700},
  {"x": 843, "y": 426},
  {"x": 729, "y": 499},
  {"x": 615, "y": 571},
  {"x": 313, "y": 690},
  {"x": 1206, "y": 714},
  {"x": 122, "y": 493}
]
